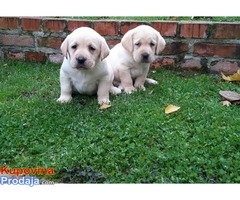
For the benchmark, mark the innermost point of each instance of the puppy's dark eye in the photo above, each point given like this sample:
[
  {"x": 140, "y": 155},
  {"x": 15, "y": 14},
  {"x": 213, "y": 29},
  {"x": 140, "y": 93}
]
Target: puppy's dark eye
[
  {"x": 91, "y": 48},
  {"x": 138, "y": 44},
  {"x": 74, "y": 46},
  {"x": 152, "y": 44}
]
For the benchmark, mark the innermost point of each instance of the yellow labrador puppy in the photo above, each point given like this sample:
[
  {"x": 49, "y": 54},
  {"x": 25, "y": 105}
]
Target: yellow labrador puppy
[
  {"x": 84, "y": 69},
  {"x": 131, "y": 58}
]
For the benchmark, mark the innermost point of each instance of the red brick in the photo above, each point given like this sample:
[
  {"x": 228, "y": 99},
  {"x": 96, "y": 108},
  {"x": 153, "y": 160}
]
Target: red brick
[
  {"x": 36, "y": 56},
  {"x": 112, "y": 42},
  {"x": 106, "y": 28},
  {"x": 162, "y": 62},
  {"x": 227, "y": 68},
  {"x": 217, "y": 50},
  {"x": 168, "y": 29},
  {"x": 56, "y": 58},
  {"x": 31, "y": 24},
  {"x": 175, "y": 48},
  {"x": 126, "y": 26},
  {"x": 72, "y": 25},
  {"x": 191, "y": 64},
  {"x": 15, "y": 55},
  {"x": 50, "y": 42},
  {"x": 193, "y": 30},
  {"x": 15, "y": 40},
  {"x": 8, "y": 23},
  {"x": 227, "y": 31},
  {"x": 54, "y": 25}
]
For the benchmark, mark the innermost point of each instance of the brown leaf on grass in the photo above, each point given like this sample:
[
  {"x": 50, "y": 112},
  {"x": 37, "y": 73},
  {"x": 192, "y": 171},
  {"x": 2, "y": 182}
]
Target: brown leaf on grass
[
  {"x": 151, "y": 92},
  {"x": 229, "y": 95},
  {"x": 171, "y": 108},
  {"x": 104, "y": 106},
  {"x": 233, "y": 77}
]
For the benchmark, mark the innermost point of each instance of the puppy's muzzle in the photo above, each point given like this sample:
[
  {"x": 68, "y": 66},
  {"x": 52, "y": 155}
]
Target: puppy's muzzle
[
  {"x": 145, "y": 57},
  {"x": 81, "y": 62}
]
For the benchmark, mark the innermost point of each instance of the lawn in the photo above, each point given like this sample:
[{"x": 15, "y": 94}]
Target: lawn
[{"x": 134, "y": 141}]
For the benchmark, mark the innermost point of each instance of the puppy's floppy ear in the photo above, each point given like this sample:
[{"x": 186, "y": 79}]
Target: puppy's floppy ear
[
  {"x": 64, "y": 47},
  {"x": 160, "y": 44},
  {"x": 104, "y": 49},
  {"x": 127, "y": 41}
]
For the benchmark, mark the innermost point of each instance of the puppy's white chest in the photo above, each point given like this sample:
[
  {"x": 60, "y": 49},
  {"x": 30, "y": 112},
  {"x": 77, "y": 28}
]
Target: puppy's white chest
[
  {"x": 84, "y": 84},
  {"x": 136, "y": 71}
]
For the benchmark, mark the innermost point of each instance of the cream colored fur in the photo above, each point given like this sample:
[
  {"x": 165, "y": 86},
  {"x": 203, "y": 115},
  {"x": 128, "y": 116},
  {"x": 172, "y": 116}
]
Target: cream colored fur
[
  {"x": 130, "y": 59},
  {"x": 85, "y": 69}
]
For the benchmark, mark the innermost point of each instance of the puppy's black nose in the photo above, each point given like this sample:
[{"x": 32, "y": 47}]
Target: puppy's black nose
[
  {"x": 81, "y": 60},
  {"x": 145, "y": 56}
]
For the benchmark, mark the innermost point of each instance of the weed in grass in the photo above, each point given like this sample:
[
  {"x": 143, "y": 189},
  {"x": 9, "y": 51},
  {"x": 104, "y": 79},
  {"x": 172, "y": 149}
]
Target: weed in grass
[
  {"x": 134, "y": 141},
  {"x": 79, "y": 175}
]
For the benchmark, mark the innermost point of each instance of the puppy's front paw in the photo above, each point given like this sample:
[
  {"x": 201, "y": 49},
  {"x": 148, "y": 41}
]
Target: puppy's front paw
[
  {"x": 129, "y": 90},
  {"x": 103, "y": 101},
  {"x": 115, "y": 90},
  {"x": 120, "y": 87},
  {"x": 151, "y": 81},
  {"x": 64, "y": 99},
  {"x": 141, "y": 87}
]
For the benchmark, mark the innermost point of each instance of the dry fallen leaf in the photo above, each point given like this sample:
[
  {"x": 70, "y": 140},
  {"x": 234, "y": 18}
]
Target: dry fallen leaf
[
  {"x": 151, "y": 92},
  {"x": 226, "y": 103},
  {"x": 171, "y": 108},
  {"x": 233, "y": 77},
  {"x": 104, "y": 106},
  {"x": 230, "y": 96}
]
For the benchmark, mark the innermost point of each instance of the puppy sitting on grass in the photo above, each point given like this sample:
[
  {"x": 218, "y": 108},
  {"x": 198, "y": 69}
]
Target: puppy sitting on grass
[
  {"x": 131, "y": 58},
  {"x": 85, "y": 69}
]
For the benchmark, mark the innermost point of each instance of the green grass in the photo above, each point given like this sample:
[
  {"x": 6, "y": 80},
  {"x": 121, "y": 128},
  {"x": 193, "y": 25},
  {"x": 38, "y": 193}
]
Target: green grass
[
  {"x": 168, "y": 18},
  {"x": 134, "y": 141}
]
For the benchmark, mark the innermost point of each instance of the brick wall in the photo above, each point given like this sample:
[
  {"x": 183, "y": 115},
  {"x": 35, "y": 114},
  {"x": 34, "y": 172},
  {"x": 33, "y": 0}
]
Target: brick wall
[{"x": 193, "y": 45}]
